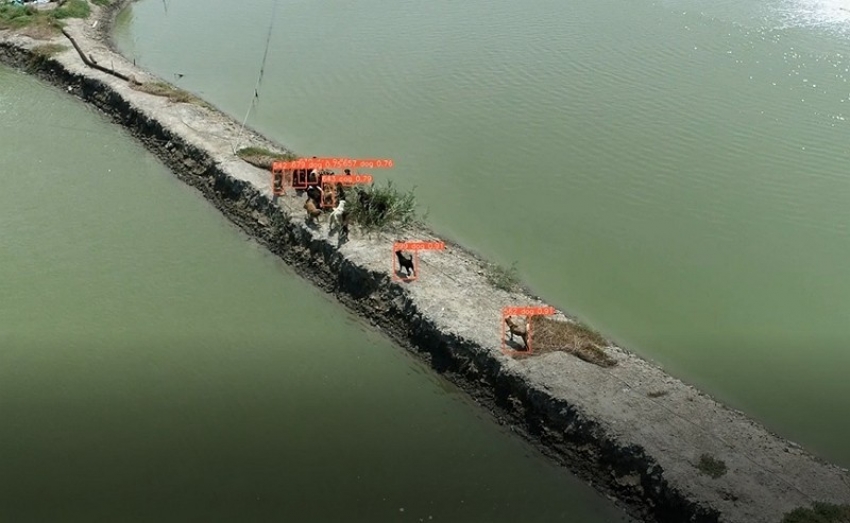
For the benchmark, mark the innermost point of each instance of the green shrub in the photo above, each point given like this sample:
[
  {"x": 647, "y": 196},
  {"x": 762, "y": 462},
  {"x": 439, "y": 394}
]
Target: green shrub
[
  {"x": 819, "y": 513},
  {"x": 502, "y": 278},
  {"x": 16, "y": 16},
  {"x": 399, "y": 208},
  {"x": 41, "y": 23},
  {"x": 73, "y": 9}
]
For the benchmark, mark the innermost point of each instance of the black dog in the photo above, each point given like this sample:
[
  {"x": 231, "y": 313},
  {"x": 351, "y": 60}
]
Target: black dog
[
  {"x": 315, "y": 194},
  {"x": 363, "y": 197},
  {"x": 405, "y": 260}
]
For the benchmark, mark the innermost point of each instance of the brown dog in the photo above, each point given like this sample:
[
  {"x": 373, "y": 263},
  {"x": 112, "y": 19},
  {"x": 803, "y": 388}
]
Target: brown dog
[
  {"x": 515, "y": 327},
  {"x": 313, "y": 212}
]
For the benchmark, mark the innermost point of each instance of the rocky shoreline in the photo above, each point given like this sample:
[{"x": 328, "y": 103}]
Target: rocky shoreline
[{"x": 634, "y": 432}]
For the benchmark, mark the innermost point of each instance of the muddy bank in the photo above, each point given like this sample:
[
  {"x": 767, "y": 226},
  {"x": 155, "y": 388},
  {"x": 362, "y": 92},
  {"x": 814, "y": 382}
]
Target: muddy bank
[{"x": 636, "y": 433}]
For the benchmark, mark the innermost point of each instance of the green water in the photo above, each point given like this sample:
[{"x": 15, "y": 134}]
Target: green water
[
  {"x": 157, "y": 366},
  {"x": 674, "y": 172}
]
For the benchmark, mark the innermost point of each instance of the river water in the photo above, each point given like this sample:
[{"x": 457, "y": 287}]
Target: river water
[
  {"x": 155, "y": 365},
  {"x": 672, "y": 171}
]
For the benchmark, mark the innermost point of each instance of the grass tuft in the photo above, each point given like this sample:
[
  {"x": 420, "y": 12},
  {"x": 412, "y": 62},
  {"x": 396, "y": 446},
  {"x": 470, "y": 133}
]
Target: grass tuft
[
  {"x": 399, "y": 208},
  {"x": 167, "y": 90},
  {"x": 41, "y": 53},
  {"x": 262, "y": 157},
  {"x": 48, "y": 50},
  {"x": 503, "y": 278},
  {"x": 17, "y": 16},
  {"x": 262, "y": 151},
  {"x": 819, "y": 513},
  {"x": 102, "y": 3},
  {"x": 72, "y": 9},
  {"x": 711, "y": 466},
  {"x": 40, "y": 23},
  {"x": 548, "y": 335}
]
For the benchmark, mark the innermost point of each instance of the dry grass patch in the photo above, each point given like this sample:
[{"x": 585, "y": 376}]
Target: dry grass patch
[
  {"x": 262, "y": 157},
  {"x": 40, "y": 53},
  {"x": 42, "y": 28},
  {"x": 167, "y": 90},
  {"x": 48, "y": 50},
  {"x": 548, "y": 335}
]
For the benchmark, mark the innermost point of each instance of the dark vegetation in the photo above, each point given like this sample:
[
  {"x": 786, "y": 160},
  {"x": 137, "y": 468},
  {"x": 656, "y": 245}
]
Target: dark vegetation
[
  {"x": 711, "y": 466},
  {"x": 41, "y": 23},
  {"x": 819, "y": 513},
  {"x": 72, "y": 9},
  {"x": 381, "y": 208}
]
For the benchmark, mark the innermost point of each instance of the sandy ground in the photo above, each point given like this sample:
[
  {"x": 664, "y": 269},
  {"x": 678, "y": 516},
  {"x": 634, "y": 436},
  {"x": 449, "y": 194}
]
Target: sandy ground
[{"x": 767, "y": 475}]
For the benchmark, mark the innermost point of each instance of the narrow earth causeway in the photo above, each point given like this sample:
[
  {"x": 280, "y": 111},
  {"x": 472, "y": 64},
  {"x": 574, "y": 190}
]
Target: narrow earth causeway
[{"x": 663, "y": 449}]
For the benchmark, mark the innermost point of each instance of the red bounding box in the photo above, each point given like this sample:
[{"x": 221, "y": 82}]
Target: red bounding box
[
  {"x": 403, "y": 266},
  {"x": 375, "y": 163},
  {"x": 328, "y": 194},
  {"x": 403, "y": 263},
  {"x": 348, "y": 179},
  {"x": 528, "y": 311},
  {"x": 278, "y": 183},
  {"x": 281, "y": 178},
  {"x": 420, "y": 246},
  {"x": 336, "y": 163},
  {"x": 330, "y": 181},
  {"x": 516, "y": 324},
  {"x": 299, "y": 178}
]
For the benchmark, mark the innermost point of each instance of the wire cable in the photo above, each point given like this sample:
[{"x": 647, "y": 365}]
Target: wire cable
[{"x": 256, "y": 96}]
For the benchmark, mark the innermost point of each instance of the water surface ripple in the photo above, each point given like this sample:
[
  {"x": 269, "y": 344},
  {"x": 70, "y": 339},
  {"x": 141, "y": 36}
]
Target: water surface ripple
[
  {"x": 672, "y": 171},
  {"x": 157, "y": 367}
]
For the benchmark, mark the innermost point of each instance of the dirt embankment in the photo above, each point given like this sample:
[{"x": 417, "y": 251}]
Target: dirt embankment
[{"x": 634, "y": 432}]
